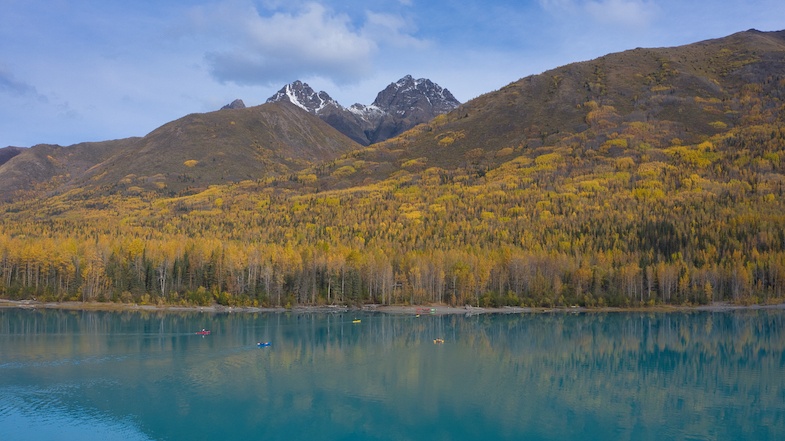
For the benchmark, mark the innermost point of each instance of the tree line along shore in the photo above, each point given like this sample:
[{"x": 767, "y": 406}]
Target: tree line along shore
[{"x": 559, "y": 225}]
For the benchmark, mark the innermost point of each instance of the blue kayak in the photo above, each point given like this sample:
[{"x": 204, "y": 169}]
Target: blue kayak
[{"x": 263, "y": 345}]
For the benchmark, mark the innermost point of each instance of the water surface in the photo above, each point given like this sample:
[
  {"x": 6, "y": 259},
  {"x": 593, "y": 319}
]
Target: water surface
[{"x": 82, "y": 375}]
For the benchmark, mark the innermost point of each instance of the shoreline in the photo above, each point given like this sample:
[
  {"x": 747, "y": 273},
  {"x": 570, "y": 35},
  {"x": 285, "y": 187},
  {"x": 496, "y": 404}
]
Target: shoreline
[{"x": 387, "y": 309}]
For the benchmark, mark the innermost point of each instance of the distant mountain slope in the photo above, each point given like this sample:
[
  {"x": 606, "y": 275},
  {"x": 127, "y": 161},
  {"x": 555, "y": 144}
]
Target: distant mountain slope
[
  {"x": 399, "y": 107},
  {"x": 52, "y": 167},
  {"x": 6, "y": 153},
  {"x": 619, "y": 104},
  {"x": 656, "y": 97},
  {"x": 224, "y": 146},
  {"x": 236, "y": 104},
  {"x": 192, "y": 152}
]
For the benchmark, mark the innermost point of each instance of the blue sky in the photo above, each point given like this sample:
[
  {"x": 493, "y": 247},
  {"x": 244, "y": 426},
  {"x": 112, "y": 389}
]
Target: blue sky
[{"x": 92, "y": 70}]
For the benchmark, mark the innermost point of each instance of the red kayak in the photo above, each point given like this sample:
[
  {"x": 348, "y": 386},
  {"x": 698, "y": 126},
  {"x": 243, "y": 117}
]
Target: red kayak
[{"x": 203, "y": 332}]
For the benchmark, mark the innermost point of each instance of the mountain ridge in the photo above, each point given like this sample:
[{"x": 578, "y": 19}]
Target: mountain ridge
[
  {"x": 192, "y": 152},
  {"x": 684, "y": 94},
  {"x": 687, "y": 93},
  {"x": 644, "y": 177},
  {"x": 399, "y": 107}
]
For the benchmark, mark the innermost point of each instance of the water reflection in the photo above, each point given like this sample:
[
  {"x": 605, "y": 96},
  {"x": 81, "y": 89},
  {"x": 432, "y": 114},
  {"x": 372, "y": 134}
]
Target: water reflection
[{"x": 652, "y": 376}]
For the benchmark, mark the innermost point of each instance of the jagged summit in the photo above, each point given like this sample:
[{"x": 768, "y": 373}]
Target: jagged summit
[
  {"x": 302, "y": 95},
  {"x": 408, "y": 94},
  {"x": 236, "y": 104},
  {"x": 399, "y": 107}
]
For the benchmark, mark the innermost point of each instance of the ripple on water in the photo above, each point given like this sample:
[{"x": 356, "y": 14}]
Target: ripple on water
[
  {"x": 69, "y": 361},
  {"x": 48, "y": 413}
]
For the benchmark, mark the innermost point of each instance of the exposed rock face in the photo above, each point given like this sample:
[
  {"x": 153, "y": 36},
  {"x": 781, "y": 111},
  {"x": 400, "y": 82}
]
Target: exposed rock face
[
  {"x": 410, "y": 97},
  {"x": 322, "y": 105},
  {"x": 406, "y": 103},
  {"x": 399, "y": 107},
  {"x": 302, "y": 95},
  {"x": 236, "y": 104}
]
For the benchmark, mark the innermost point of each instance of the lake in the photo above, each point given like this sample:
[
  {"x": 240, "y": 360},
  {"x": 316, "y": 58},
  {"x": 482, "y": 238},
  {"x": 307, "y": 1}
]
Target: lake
[{"x": 139, "y": 375}]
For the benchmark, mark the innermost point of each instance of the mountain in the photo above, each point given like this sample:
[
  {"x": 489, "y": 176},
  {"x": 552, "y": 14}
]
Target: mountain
[
  {"x": 49, "y": 167},
  {"x": 6, "y": 153},
  {"x": 322, "y": 105},
  {"x": 192, "y": 152},
  {"x": 236, "y": 104},
  {"x": 642, "y": 177},
  {"x": 409, "y": 102},
  {"x": 656, "y": 97},
  {"x": 225, "y": 146},
  {"x": 659, "y": 98},
  {"x": 399, "y": 107},
  {"x": 642, "y": 97},
  {"x": 302, "y": 95}
]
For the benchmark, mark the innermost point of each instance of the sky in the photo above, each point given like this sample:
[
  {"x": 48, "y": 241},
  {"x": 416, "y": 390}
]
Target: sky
[{"x": 91, "y": 70}]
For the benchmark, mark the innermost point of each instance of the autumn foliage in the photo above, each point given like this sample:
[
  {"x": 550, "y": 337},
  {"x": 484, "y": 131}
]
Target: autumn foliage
[
  {"x": 556, "y": 225},
  {"x": 667, "y": 193}
]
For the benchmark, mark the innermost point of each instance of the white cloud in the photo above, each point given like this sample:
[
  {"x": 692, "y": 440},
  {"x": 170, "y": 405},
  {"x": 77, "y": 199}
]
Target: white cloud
[
  {"x": 629, "y": 13},
  {"x": 558, "y": 6},
  {"x": 391, "y": 29},
  {"x": 262, "y": 47}
]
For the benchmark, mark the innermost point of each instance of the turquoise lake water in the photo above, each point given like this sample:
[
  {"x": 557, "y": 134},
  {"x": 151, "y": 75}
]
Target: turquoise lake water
[{"x": 86, "y": 375}]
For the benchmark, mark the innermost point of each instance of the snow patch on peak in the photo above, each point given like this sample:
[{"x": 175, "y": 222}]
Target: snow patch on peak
[
  {"x": 293, "y": 98},
  {"x": 303, "y": 96},
  {"x": 406, "y": 80},
  {"x": 362, "y": 108},
  {"x": 400, "y": 106},
  {"x": 366, "y": 113}
]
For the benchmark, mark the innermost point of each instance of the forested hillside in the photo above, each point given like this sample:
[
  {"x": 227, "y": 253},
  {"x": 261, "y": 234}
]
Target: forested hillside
[{"x": 650, "y": 176}]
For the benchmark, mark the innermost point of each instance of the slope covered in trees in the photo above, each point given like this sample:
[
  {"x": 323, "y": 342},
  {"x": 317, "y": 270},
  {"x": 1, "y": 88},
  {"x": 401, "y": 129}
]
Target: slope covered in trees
[{"x": 651, "y": 176}]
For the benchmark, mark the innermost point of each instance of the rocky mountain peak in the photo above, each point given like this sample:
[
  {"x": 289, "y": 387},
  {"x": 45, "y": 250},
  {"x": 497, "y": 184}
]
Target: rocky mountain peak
[
  {"x": 399, "y": 107},
  {"x": 302, "y": 95},
  {"x": 408, "y": 95},
  {"x": 236, "y": 104}
]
